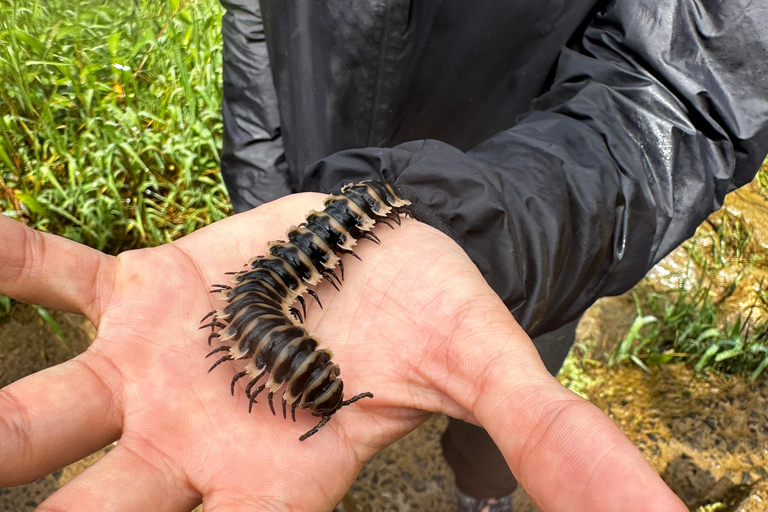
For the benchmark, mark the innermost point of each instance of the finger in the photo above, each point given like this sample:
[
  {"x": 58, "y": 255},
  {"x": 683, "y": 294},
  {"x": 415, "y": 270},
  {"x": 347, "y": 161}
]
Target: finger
[
  {"x": 55, "y": 417},
  {"x": 52, "y": 271},
  {"x": 566, "y": 453},
  {"x": 131, "y": 478},
  {"x": 226, "y": 502}
]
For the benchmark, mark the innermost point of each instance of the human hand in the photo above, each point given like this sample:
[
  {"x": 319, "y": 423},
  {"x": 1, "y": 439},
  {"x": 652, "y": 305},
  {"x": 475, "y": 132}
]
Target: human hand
[{"x": 415, "y": 323}]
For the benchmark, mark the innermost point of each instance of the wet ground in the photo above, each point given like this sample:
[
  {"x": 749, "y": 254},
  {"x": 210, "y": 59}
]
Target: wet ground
[{"x": 707, "y": 435}]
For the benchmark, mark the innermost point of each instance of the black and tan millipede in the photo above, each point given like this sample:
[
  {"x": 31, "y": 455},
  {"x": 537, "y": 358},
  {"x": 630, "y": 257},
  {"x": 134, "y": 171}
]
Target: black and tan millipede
[{"x": 261, "y": 321}]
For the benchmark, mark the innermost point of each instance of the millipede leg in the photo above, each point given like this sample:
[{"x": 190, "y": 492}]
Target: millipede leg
[
  {"x": 303, "y": 304},
  {"x": 386, "y": 223},
  {"x": 354, "y": 399},
  {"x": 217, "y": 363},
  {"x": 218, "y": 349},
  {"x": 256, "y": 261},
  {"x": 341, "y": 268},
  {"x": 293, "y": 410},
  {"x": 213, "y": 335},
  {"x": 326, "y": 275},
  {"x": 395, "y": 217},
  {"x": 254, "y": 395},
  {"x": 369, "y": 235},
  {"x": 297, "y": 314},
  {"x": 249, "y": 386},
  {"x": 331, "y": 272},
  {"x": 251, "y": 402},
  {"x": 320, "y": 425},
  {"x": 222, "y": 286},
  {"x": 235, "y": 379},
  {"x": 208, "y": 316},
  {"x": 213, "y": 324},
  {"x": 271, "y": 406},
  {"x": 314, "y": 295},
  {"x": 353, "y": 253},
  {"x": 284, "y": 408}
]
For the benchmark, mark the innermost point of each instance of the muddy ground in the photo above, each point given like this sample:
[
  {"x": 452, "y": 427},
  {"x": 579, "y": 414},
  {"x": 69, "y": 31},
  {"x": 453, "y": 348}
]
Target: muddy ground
[{"x": 707, "y": 435}]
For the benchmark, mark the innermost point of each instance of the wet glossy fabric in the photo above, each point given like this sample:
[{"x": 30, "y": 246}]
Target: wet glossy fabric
[{"x": 567, "y": 146}]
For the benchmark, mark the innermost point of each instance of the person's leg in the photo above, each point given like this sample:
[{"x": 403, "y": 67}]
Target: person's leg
[
  {"x": 252, "y": 162},
  {"x": 479, "y": 467}
]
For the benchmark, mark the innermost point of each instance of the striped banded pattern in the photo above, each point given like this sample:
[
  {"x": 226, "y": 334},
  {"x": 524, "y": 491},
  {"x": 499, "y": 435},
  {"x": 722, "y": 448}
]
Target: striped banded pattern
[{"x": 260, "y": 319}]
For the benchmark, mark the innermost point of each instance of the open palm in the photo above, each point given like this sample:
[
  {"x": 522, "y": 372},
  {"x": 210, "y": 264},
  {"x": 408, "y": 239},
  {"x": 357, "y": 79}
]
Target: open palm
[{"x": 414, "y": 323}]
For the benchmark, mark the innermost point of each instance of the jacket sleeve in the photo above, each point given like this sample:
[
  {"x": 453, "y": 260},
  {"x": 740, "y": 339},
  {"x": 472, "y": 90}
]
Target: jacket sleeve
[
  {"x": 654, "y": 115},
  {"x": 252, "y": 157}
]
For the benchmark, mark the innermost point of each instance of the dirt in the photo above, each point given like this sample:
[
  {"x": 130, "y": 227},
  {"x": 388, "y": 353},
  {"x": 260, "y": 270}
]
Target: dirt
[
  {"x": 28, "y": 345},
  {"x": 719, "y": 424}
]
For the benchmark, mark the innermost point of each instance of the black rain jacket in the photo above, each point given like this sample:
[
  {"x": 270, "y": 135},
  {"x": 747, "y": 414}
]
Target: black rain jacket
[{"x": 566, "y": 145}]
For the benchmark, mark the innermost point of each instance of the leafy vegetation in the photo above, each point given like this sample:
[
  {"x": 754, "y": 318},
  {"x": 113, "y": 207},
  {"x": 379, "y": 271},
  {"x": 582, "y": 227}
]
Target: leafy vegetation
[
  {"x": 695, "y": 322},
  {"x": 762, "y": 179},
  {"x": 688, "y": 325},
  {"x": 97, "y": 144},
  {"x": 723, "y": 240}
]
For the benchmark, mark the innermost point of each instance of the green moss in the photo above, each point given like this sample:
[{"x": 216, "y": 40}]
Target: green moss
[{"x": 711, "y": 508}]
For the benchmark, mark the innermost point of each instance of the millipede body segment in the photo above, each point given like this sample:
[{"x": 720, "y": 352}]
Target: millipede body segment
[{"x": 260, "y": 319}]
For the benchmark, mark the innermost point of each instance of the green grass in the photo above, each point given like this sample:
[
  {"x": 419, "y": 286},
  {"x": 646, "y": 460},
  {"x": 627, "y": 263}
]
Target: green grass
[
  {"x": 723, "y": 241},
  {"x": 688, "y": 325},
  {"x": 90, "y": 151},
  {"x": 762, "y": 179}
]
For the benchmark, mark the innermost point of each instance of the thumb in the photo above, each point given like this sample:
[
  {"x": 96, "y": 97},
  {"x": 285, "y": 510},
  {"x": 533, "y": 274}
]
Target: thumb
[{"x": 566, "y": 453}]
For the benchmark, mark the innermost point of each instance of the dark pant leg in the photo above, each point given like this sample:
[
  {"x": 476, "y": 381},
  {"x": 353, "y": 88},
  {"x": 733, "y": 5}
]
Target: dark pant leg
[
  {"x": 252, "y": 161},
  {"x": 478, "y": 465}
]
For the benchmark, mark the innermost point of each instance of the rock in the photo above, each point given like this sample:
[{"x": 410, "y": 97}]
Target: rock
[{"x": 687, "y": 480}]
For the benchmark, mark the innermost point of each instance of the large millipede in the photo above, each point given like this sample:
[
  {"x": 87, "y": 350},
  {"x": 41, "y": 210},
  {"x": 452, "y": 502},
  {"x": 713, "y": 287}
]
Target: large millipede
[{"x": 261, "y": 320}]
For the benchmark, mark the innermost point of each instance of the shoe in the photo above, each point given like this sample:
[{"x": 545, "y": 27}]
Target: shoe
[{"x": 469, "y": 504}]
